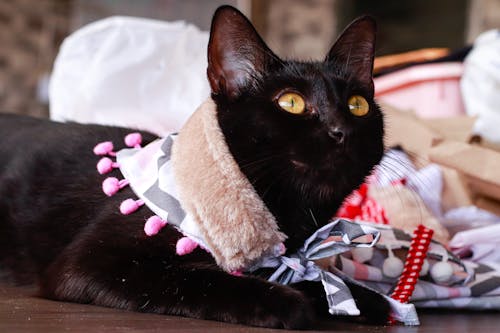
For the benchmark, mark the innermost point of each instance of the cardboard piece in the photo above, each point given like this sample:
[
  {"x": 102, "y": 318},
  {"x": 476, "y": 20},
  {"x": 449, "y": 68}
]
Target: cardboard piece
[
  {"x": 471, "y": 172},
  {"x": 488, "y": 204},
  {"x": 480, "y": 166},
  {"x": 456, "y": 193},
  {"x": 405, "y": 210},
  {"x": 453, "y": 128},
  {"x": 404, "y": 129}
]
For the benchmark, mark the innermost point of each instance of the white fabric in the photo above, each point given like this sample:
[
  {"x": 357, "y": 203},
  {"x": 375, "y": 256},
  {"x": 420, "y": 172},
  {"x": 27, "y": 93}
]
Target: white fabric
[
  {"x": 427, "y": 181},
  {"x": 131, "y": 72},
  {"x": 143, "y": 168},
  {"x": 482, "y": 242},
  {"x": 480, "y": 85}
]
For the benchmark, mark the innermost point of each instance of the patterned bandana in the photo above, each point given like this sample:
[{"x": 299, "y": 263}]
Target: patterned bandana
[
  {"x": 331, "y": 240},
  {"x": 150, "y": 174},
  {"x": 245, "y": 238}
]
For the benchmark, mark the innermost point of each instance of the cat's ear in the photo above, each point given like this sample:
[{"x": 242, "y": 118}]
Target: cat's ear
[
  {"x": 237, "y": 55},
  {"x": 354, "y": 50}
]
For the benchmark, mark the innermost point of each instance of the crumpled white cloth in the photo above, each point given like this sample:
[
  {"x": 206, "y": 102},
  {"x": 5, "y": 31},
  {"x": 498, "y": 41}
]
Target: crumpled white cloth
[
  {"x": 480, "y": 84},
  {"x": 428, "y": 183},
  {"x": 132, "y": 72},
  {"x": 483, "y": 243}
]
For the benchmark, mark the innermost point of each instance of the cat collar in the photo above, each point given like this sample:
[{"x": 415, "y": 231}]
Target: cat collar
[{"x": 192, "y": 181}]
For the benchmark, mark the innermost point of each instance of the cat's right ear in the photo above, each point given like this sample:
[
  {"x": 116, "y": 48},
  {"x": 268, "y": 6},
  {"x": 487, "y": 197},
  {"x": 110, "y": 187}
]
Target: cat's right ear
[
  {"x": 237, "y": 55},
  {"x": 354, "y": 50}
]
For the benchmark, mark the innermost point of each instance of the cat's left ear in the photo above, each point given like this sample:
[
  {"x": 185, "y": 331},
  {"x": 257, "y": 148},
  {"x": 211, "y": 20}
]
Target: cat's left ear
[
  {"x": 354, "y": 50},
  {"x": 237, "y": 55}
]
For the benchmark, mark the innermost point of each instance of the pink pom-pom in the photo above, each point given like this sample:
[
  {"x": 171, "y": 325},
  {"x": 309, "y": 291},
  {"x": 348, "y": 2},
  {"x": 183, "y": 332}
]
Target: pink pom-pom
[
  {"x": 105, "y": 165},
  {"x": 236, "y": 273},
  {"x": 104, "y": 148},
  {"x": 185, "y": 245},
  {"x": 153, "y": 225},
  {"x": 281, "y": 249},
  {"x": 129, "y": 206},
  {"x": 111, "y": 185},
  {"x": 133, "y": 140}
]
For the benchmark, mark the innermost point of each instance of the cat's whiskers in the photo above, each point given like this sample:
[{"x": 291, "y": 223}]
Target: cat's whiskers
[
  {"x": 387, "y": 171},
  {"x": 266, "y": 158},
  {"x": 258, "y": 175},
  {"x": 313, "y": 218},
  {"x": 390, "y": 168},
  {"x": 407, "y": 164},
  {"x": 260, "y": 168},
  {"x": 277, "y": 179},
  {"x": 417, "y": 162},
  {"x": 265, "y": 170}
]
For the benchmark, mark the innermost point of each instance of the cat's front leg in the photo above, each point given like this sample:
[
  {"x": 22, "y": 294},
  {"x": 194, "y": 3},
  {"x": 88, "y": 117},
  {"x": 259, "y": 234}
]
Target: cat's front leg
[
  {"x": 213, "y": 294},
  {"x": 374, "y": 307},
  {"x": 111, "y": 274}
]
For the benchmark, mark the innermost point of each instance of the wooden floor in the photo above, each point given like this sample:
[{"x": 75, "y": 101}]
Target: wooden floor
[{"x": 21, "y": 312}]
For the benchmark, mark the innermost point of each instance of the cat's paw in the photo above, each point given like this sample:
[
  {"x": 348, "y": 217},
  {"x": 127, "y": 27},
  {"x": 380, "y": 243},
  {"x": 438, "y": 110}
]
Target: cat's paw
[
  {"x": 284, "y": 307},
  {"x": 375, "y": 309}
]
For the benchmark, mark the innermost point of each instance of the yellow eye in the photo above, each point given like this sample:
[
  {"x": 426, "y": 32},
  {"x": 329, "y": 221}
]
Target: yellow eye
[
  {"x": 358, "y": 105},
  {"x": 292, "y": 102}
]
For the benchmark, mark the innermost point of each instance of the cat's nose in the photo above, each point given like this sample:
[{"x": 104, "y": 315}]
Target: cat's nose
[{"x": 337, "y": 134}]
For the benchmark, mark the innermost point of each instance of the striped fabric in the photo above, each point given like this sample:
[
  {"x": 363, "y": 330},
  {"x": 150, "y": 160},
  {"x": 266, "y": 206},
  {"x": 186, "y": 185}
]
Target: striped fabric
[
  {"x": 149, "y": 171},
  {"x": 300, "y": 266},
  {"x": 472, "y": 285}
]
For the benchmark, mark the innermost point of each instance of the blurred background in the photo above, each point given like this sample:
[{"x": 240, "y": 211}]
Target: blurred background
[
  {"x": 440, "y": 96},
  {"x": 32, "y": 31}
]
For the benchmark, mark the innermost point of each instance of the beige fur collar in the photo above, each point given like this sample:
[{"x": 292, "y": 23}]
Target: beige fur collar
[{"x": 232, "y": 218}]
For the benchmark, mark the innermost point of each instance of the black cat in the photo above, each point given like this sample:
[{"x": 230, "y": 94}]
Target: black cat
[{"x": 305, "y": 134}]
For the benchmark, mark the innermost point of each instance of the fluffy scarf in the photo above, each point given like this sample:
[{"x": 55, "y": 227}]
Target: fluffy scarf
[{"x": 223, "y": 211}]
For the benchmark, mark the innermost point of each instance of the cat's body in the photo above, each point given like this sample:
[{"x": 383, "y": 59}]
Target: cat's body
[{"x": 57, "y": 227}]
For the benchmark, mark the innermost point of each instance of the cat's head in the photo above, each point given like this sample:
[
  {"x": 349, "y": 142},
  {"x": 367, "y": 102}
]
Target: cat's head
[{"x": 304, "y": 133}]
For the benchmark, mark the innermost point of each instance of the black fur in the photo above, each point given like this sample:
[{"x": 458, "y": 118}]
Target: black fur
[{"x": 57, "y": 227}]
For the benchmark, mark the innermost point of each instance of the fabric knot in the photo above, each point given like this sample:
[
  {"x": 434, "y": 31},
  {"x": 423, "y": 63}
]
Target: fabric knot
[{"x": 335, "y": 238}]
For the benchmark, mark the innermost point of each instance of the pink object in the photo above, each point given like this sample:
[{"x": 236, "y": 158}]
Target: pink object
[
  {"x": 129, "y": 206},
  {"x": 153, "y": 225},
  {"x": 111, "y": 185},
  {"x": 359, "y": 206},
  {"x": 133, "y": 140},
  {"x": 104, "y": 148},
  {"x": 431, "y": 90},
  {"x": 282, "y": 249},
  {"x": 185, "y": 245},
  {"x": 236, "y": 273},
  {"x": 105, "y": 165},
  {"x": 482, "y": 243}
]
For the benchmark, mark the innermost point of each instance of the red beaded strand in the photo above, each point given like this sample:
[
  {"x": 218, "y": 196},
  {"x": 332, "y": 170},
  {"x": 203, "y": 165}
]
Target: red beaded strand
[{"x": 414, "y": 261}]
